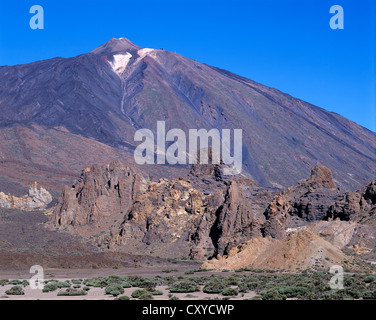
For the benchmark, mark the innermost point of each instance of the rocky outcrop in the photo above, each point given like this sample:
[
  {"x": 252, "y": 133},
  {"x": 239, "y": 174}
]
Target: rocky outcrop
[
  {"x": 308, "y": 201},
  {"x": 227, "y": 221},
  {"x": 359, "y": 206},
  {"x": 203, "y": 216},
  {"x": 36, "y": 199},
  {"x": 121, "y": 210},
  {"x": 158, "y": 221},
  {"x": 99, "y": 193},
  {"x": 300, "y": 250}
]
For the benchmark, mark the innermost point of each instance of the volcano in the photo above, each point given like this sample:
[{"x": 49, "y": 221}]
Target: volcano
[{"x": 60, "y": 115}]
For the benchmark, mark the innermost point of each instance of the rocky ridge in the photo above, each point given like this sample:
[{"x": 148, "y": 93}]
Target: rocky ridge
[
  {"x": 36, "y": 199},
  {"x": 205, "y": 216}
]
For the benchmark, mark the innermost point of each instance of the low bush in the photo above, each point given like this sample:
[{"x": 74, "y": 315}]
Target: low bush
[
  {"x": 369, "y": 295},
  {"x": 72, "y": 292},
  {"x": 115, "y": 289},
  {"x": 3, "y": 282},
  {"x": 214, "y": 287},
  {"x": 15, "y": 290},
  {"x": 76, "y": 281},
  {"x": 137, "y": 293},
  {"x": 51, "y": 286},
  {"x": 369, "y": 279},
  {"x": 184, "y": 286},
  {"x": 157, "y": 293},
  {"x": 229, "y": 292},
  {"x": 169, "y": 270}
]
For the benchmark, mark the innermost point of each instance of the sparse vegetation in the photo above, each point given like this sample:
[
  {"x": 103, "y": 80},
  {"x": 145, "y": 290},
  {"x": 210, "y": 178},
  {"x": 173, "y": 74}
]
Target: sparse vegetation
[
  {"x": 72, "y": 292},
  {"x": 169, "y": 270},
  {"x": 266, "y": 285},
  {"x": 230, "y": 292},
  {"x": 15, "y": 290},
  {"x": 215, "y": 286},
  {"x": 138, "y": 293},
  {"x": 115, "y": 289},
  {"x": 184, "y": 286}
]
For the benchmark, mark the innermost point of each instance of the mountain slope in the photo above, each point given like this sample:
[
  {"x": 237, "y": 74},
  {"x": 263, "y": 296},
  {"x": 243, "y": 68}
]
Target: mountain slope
[{"x": 108, "y": 93}]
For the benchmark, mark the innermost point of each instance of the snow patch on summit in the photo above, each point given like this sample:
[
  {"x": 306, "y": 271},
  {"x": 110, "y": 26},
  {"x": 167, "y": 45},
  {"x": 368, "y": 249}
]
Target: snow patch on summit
[
  {"x": 120, "y": 62},
  {"x": 146, "y": 51}
]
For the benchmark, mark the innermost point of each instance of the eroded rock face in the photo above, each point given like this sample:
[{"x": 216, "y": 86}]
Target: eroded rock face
[
  {"x": 299, "y": 250},
  {"x": 100, "y": 192},
  {"x": 124, "y": 211},
  {"x": 159, "y": 219},
  {"x": 203, "y": 216},
  {"x": 308, "y": 201},
  {"x": 227, "y": 221},
  {"x": 36, "y": 199},
  {"x": 359, "y": 206}
]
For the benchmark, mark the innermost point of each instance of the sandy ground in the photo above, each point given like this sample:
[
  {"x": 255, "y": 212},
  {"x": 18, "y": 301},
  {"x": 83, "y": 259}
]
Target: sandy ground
[{"x": 51, "y": 273}]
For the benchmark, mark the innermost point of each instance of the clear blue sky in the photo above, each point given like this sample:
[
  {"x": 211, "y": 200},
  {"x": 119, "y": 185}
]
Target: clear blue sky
[{"x": 285, "y": 44}]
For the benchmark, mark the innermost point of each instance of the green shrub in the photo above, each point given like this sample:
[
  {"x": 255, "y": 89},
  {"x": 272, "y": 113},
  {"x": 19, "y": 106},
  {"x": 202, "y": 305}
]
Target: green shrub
[
  {"x": 184, "y": 286},
  {"x": 115, "y": 289},
  {"x": 25, "y": 283},
  {"x": 369, "y": 295},
  {"x": 369, "y": 279},
  {"x": 292, "y": 291},
  {"x": 145, "y": 296},
  {"x": 189, "y": 272},
  {"x": 63, "y": 284},
  {"x": 123, "y": 298},
  {"x": 214, "y": 287},
  {"x": 272, "y": 294},
  {"x": 15, "y": 290},
  {"x": 76, "y": 281},
  {"x": 230, "y": 292},
  {"x": 72, "y": 292},
  {"x": 137, "y": 293},
  {"x": 3, "y": 282},
  {"x": 157, "y": 293},
  {"x": 95, "y": 282},
  {"x": 173, "y": 298},
  {"x": 114, "y": 279},
  {"x": 169, "y": 270},
  {"x": 51, "y": 286}
]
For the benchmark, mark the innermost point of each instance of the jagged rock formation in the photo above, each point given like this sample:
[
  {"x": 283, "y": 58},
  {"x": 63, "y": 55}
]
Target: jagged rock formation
[
  {"x": 100, "y": 192},
  {"x": 122, "y": 210},
  {"x": 359, "y": 206},
  {"x": 299, "y": 250},
  {"x": 159, "y": 219},
  {"x": 308, "y": 201},
  {"x": 228, "y": 221},
  {"x": 231, "y": 220},
  {"x": 36, "y": 199}
]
